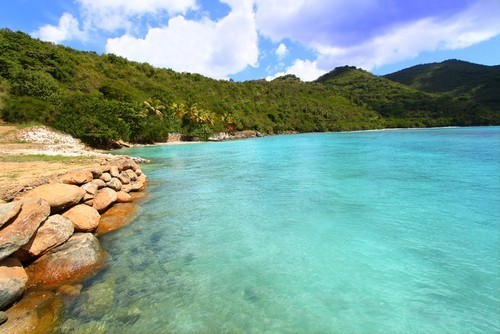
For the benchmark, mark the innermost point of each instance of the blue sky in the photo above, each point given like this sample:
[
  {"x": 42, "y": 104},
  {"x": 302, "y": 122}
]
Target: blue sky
[{"x": 253, "y": 39}]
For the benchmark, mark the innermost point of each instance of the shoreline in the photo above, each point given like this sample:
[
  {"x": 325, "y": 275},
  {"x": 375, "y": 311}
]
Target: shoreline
[{"x": 49, "y": 239}]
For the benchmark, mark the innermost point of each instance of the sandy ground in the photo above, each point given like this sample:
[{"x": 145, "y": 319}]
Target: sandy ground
[{"x": 27, "y": 157}]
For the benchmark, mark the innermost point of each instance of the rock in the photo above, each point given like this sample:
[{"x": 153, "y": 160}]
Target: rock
[
  {"x": 59, "y": 196},
  {"x": 100, "y": 183},
  {"x": 96, "y": 172},
  {"x": 36, "y": 313},
  {"x": 52, "y": 233},
  {"x": 119, "y": 215},
  {"x": 104, "y": 198},
  {"x": 114, "y": 184},
  {"x": 13, "y": 281},
  {"x": 84, "y": 218},
  {"x": 17, "y": 233},
  {"x": 140, "y": 184},
  {"x": 99, "y": 299},
  {"x": 3, "y": 317},
  {"x": 89, "y": 202},
  {"x": 9, "y": 211},
  {"x": 123, "y": 197},
  {"x": 126, "y": 188},
  {"x": 77, "y": 177},
  {"x": 124, "y": 178},
  {"x": 70, "y": 290},
  {"x": 87, "y": 197},
  {"x": 138, "y": 172},
  {"x": 106, "y": 177},
  {"x": 130, "y": 164},
  {"x": 114, "y": 171},
  {"x": 91, "y": 187},
  {"x": 131, "y": 174},
  {"x": 73, "y": 261}
]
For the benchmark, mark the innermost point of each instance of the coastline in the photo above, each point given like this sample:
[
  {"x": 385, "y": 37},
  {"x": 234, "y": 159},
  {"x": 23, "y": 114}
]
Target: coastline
[{"x": 52, "y": 211}]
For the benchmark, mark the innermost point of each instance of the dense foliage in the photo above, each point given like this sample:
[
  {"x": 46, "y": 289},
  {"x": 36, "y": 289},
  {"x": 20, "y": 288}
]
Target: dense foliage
[
  {"x": 479, "y": 84},
  {"x": 101, "y": 99}
]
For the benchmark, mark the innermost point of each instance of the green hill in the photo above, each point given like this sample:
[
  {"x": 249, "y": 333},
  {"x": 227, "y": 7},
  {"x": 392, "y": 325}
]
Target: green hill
[
  {"x": 104, "y": 98},
  {"x": 404, "y": 106},
  {"x": 461, "y": 79}
]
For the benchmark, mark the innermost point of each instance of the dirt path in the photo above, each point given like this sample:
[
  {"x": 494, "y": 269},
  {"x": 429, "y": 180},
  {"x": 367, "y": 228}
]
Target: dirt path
[{"x": 35, "y": 155}]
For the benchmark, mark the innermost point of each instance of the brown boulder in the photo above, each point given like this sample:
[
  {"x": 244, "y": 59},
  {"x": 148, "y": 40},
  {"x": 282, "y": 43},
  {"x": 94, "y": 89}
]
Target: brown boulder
[
  {"x": 104, "y": 198},
  {"x": 138, "y": 172},
  {"x": 52, "y": 233},
  {"x": 37, "y": 313},
  {"x": 106, "y": 177},
  {"x": 90, "y": 188},
  {"x": 100, "y": 183},
  {"x": 20, "y": 230},
  {"x": 123, "y": 197},
  {"x": 59, "y": 195},
  {"x": 96, "y": 172},
  {"x": 131, "y": 174},
  {"x": 9, "y": 211},
  {"x": 114, "y": 184},
  {"x": 73, "y": 261},
  {"x": 114, "y": 171},
  {"x": 130, "y": 164},
  {"x": 124, "y": 178},
  {"x": 13, "y": 281},
  {"x": 84, "y": 218},
  {"x": 119, "y": 215},
  {"x": 77, "y": 177}
]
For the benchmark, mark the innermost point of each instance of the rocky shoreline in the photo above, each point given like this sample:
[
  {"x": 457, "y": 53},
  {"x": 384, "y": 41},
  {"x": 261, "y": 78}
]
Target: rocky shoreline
[{"x": 48, "y": 239}]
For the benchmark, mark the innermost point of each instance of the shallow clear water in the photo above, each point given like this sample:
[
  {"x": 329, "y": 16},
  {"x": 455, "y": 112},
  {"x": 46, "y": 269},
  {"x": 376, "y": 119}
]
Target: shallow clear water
[{"x": 362, "y": 232}]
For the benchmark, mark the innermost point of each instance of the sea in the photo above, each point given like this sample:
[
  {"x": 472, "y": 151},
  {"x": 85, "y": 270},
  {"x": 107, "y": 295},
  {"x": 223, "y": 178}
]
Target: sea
[{"x": 392, "y": 231}]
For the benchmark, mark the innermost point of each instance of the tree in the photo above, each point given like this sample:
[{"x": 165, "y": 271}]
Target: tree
[{"x": 153, "y": 108}]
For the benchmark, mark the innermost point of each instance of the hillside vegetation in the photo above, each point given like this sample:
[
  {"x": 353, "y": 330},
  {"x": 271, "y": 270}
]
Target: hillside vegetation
[
  {"x": 478, "y": 83},
  {"x": 101, "y": 99}
]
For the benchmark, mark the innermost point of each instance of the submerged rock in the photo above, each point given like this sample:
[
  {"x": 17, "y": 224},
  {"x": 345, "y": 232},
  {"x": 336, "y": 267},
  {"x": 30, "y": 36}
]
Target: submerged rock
[
  {"x": 36, "y": 313},
  {"x": 17, "y": 233},
  {"x": 13, "y": 281},
  {"x": 116, "y": 217},
  {"x": 59, "y": 196},
  {"x": 80, "y": 256}
]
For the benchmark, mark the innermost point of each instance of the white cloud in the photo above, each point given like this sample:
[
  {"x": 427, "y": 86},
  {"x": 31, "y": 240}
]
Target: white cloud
[
  {"x": 281, "y": 51},
  {"x": 306, "y": 70},
  {"x": 67, "y": 29},
  {"x": 111, "y": 15},
  {"x": 212, "y": 48},
  {"x": 478, "y": 23}
]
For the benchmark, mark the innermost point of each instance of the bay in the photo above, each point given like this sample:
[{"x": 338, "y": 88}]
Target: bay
[{"x": 392, "y": 231}]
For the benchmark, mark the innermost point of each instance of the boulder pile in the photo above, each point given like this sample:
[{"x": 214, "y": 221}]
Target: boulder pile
[{"x": 47, "y": 236}]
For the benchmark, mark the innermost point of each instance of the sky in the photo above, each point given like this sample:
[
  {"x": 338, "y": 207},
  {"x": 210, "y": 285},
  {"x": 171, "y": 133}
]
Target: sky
[{"x": 255, "y": 39}]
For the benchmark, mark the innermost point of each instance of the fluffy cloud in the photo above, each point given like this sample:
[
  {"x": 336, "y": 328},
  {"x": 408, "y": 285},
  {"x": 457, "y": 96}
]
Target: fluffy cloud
[
  {"x": 110, "y": 15},
  {"x": 66, "y": 29},
  {"x": 281, "y": 51},
  {"x": 306, "y": 70},
  {"x": 403, "y": 41},
  {"x": 212, "y": 48}
]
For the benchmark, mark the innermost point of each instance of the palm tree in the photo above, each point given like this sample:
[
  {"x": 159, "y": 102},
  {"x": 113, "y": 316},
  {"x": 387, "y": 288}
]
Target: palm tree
[
  {"x": 153, "y": 107},
  {"x": 179, "y": 110}
]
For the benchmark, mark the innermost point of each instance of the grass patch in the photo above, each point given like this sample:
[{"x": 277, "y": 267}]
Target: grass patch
[{"x": 45, "y": 158}]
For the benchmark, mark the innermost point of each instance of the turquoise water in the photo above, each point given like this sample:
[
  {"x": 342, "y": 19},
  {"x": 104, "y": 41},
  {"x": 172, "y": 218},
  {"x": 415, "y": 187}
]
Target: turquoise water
[{"x": 362, "y": 232}]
